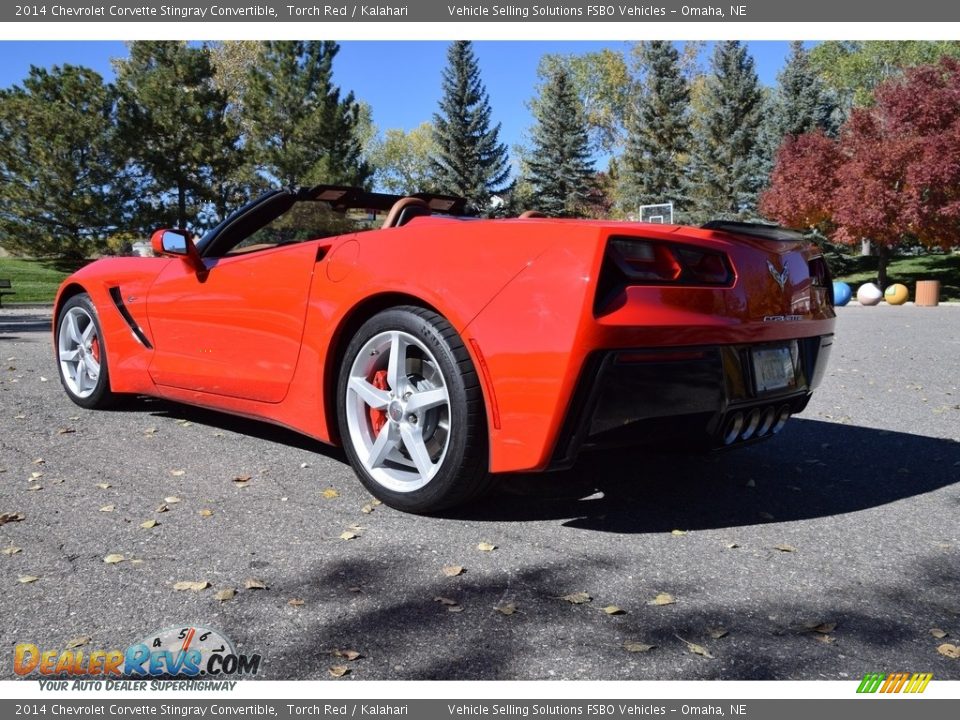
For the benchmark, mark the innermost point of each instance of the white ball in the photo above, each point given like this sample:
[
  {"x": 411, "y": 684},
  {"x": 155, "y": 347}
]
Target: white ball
[{"x": 869, "y": 294}]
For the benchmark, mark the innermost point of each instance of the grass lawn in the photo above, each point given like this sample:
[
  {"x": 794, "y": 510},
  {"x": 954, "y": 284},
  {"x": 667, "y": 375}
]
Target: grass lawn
[
  {"x": 34, "y": 281},
  {"x": 907, "y": 270}
]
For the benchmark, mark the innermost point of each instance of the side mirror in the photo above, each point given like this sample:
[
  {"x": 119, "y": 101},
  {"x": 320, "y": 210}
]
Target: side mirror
[
  {"x": 179, "y": 243},
  {"x": 170, "y": 242}
]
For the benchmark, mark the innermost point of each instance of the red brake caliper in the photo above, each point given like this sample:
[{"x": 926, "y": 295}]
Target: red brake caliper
[
  {"x": 95, "y": 349},
  {"x": 378, "y": 418}
]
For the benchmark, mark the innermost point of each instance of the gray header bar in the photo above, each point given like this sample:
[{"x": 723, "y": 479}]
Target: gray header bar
[{"x": 826, "y": 11}]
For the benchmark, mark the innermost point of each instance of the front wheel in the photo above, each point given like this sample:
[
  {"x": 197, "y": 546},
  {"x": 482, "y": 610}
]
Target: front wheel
[
  {"x": 411, "y": 413},
  {"x": 81, "y": 357}
]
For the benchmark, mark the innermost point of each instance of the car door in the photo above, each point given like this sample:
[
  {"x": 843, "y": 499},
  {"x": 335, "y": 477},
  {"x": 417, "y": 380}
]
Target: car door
[{"x": 235, "y": 330}]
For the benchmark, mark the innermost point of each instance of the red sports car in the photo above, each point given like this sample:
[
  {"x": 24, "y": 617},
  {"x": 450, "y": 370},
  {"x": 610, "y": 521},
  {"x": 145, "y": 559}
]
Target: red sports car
[{"x": 440, "y": 350}]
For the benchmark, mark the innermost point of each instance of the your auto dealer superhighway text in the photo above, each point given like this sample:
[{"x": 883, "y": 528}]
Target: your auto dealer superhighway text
[{"x": 163, "y": 11}]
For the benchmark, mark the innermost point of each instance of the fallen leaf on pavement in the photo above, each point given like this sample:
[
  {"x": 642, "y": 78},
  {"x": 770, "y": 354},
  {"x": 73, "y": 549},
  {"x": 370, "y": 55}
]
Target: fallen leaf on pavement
[
  {"x": 194, "y": 585},
  {"x": 254, "y": 584},
  {"x": 330, "y": 494},
  {"x": 12, "y": 550},
  {"x": 149, "y": 524},
  {"x": 936, "y": 632},
  {"x": 339, "y": 671},
  {"x": 241, "y": 480},
  {"x": 348, "y": 535},
  {"x": 206, "y": 512},
  {"x": 161, "y": 509},
  {"x": 636, "y": 647},
  {"x": 178, "y": 473},
  {"x": 678, "y": 532},
  {"x": 445, "y": 600},
  {"x": 696, "y": 649},
  {"x": 172, "y": 500},
  {"x": 785, "y": 548},
  {"x": 824, "y": 628},
  {"x": 10, "y": 517},
  {"x": 663, "y": 599},
  {"x": 295, "y": 602},
  {"x": 104, "y": 486},
  {"x": 366, "y": 509},
  {"x": 948, "y": 650},
  {"x": 486, "y": 547},
  {"x": 614, "y": 610},
  {"x": 349, "y": 655},
  {"x": 114, "y": 558},
  {"x": 225, "y": 594},
  {"x": 27, "y": 579},
  {"x": 717, "y": 633},
  {"x": 506, "y": 609},
  {"x": 78, "y": 641},
  {"x": 108, "y": 508},
  {"x": 577, "y": 598},
  {"x": 452, "y": 570}
]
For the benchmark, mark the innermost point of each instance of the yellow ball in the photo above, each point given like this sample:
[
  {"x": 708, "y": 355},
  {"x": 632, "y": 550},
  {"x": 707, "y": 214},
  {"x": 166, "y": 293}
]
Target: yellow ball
[{"x": 896, "y": 294}]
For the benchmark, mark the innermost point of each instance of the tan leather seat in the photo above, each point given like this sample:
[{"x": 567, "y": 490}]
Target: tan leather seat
[
  {"x": 404, "y": 210},
  {"x": 531, "y": 214}
]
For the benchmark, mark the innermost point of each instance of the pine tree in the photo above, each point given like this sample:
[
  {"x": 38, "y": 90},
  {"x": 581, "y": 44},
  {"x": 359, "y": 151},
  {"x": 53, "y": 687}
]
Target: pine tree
[
  {"x": 559, "y": 168},
  {"x": 727, "y": 165},
  {"x": 802, "y": 103},
  {"x": 471, "y": 161},
  {"x": 63, "y": 188},
  {"x": 173, "y": 121},
  {"x": 658, "y": 133},
  {"x": 301, "y": 131}
]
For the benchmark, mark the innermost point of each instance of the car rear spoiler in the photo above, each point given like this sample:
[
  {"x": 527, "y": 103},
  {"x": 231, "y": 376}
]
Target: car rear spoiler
[{"x": 757, "y": 230}]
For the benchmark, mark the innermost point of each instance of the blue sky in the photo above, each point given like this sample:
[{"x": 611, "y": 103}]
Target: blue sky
[{"x": 400, "y": 80}]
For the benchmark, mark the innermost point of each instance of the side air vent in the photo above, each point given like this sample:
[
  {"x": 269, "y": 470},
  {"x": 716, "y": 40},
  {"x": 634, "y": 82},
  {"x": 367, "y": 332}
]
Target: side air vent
[{"x": 117, "y": 298}]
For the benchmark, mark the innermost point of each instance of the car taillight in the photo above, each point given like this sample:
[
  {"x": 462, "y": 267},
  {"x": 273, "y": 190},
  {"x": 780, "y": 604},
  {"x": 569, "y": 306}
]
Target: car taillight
[
  {"x": 646, "y": 261},
  {"x": 820, "y": 275},
  {"x": 654, "y": 262}
]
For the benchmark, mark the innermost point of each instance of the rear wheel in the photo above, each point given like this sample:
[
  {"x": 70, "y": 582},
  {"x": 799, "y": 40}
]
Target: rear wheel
[
  {"x": 411, "y": 412},
  {"x": 81, "y": 358}
]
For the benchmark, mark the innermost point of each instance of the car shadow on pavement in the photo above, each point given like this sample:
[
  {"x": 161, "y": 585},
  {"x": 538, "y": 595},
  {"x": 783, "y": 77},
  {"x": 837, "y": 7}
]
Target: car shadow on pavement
[
  {"x": 232, "y": 423},
  {"x": 813, "y": 469}
]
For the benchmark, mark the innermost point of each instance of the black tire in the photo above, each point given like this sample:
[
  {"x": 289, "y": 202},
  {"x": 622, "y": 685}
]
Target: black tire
[
  {"x": 461, "y": 468},
  {"x": 92, "y": 393}
]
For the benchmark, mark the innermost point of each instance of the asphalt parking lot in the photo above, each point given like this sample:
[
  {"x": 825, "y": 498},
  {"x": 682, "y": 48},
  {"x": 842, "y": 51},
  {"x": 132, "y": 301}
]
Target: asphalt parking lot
[{"x": 828, "y": 552}]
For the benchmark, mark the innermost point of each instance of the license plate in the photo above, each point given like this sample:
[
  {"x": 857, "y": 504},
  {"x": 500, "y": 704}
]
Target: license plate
[{"x": 773, "y": 369}]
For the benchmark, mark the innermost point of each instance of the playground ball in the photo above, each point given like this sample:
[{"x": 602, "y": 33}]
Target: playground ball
[
  {"x": 896, "y": 294},
  {"x": 869, "y": 294},
  {"x": 841, "y": 293}
]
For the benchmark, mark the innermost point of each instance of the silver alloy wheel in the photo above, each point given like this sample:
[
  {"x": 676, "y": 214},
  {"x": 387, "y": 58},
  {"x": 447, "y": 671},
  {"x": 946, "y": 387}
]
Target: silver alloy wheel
[
  {"x": 400, "y": 432},
  {"x": 79, "y": 351}
]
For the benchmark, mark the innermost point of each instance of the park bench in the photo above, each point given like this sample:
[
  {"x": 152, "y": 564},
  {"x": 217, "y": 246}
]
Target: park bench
[{"x": 5, "y": 286}]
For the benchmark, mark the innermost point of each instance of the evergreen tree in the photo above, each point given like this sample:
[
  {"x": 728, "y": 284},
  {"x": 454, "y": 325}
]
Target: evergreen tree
[
  {"x": 727, "y": 165},
  {"x": 559, "y": 169},
  {"x": 62, "y": 185},
  {"x": 653, "y": 167},
  {"x": 173, "y": 121},
  {"x": 802, "y": 103},
  {"x": 471, "y": 161},
  {"x": 301, "y": 131}
]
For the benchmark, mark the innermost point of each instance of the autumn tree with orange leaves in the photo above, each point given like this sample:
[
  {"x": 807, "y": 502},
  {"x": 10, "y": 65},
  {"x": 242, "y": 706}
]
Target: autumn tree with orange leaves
[{"x": 892, "y": 176}]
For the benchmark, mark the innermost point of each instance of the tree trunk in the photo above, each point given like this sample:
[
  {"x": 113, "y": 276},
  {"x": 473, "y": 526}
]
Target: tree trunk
[
  {"x": 883, "y": 259},
  {"x": 181, "y": 206}
]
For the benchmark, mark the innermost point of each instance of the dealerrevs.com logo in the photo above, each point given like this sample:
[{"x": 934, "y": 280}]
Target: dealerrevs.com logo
[
  {"x": 186, "y": 652},
  {"x": 894, "y": 682}
]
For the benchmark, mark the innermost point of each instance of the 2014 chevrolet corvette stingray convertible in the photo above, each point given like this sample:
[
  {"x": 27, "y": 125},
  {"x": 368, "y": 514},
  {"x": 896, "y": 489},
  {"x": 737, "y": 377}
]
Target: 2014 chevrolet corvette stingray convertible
[{"x": 442, "y": 350}]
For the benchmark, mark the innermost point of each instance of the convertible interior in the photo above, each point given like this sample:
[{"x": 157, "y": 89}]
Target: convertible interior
[{"x": 282, "y": 217}]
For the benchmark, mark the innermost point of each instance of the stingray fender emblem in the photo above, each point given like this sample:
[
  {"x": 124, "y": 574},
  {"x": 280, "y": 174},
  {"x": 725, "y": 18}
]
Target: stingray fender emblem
[{"x": 780, "y": 277}]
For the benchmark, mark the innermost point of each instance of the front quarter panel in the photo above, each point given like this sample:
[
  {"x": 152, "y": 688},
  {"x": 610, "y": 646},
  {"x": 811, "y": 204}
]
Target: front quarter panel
[{"x": 128, "y": 358}]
